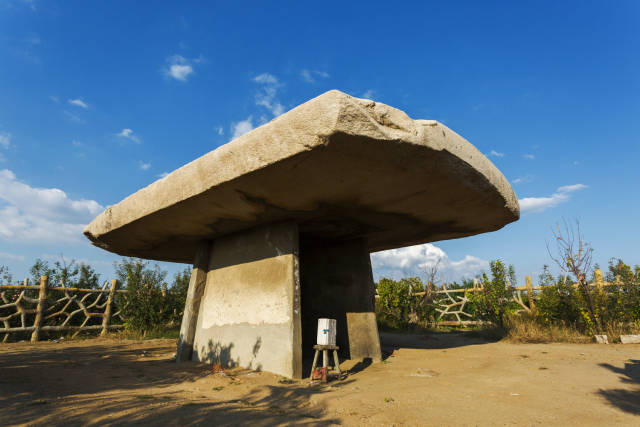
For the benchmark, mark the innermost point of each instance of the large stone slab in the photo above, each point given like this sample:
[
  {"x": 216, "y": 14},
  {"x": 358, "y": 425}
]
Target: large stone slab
[{"x": 337, "y": 166}]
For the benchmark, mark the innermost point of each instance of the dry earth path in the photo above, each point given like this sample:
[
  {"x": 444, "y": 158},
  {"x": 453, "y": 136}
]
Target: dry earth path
[{"x": 439, "y": 379}]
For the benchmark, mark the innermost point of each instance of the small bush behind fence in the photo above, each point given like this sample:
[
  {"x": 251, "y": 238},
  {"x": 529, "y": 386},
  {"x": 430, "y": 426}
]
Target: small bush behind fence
[
  {"x": 45, "y": 308},
  {"x": 451, "y": 304}
]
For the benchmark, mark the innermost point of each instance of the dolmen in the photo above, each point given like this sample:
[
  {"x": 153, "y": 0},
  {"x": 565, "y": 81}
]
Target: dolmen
[{"x": 279, "y": 224}]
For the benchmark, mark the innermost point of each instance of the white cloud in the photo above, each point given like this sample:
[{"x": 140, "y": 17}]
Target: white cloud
[
  {"x": 127, "y": 133},
  {"x": 41, "y": 214},
  {"x": 368, "y": 94},
  {"x": 73, "y": 117},
  {"x": 266, "y": 96},
  {"x": 77, "y": 143},
  {"x": 529, "y": 156},
  {"x": 539, "y": 204},
  {"x": 144, "y": 166},
  {"x": 220, "y": 130},
  {"x": 180, "y": 68},
  {"x": 5, "y": 140},
  {"x": 523, "y": 179},
  {"x": 13, "y": 257},
  {"x": 309, "y": 76},
  {"x": 416, "y": 260},
  {"x": 240, "y": 128},
  {"x": 494, "y": 153},
  {"x": 78, "y": 103},
  {"x": 162, "y": 175},
  {"x": 266, "y": 79}
]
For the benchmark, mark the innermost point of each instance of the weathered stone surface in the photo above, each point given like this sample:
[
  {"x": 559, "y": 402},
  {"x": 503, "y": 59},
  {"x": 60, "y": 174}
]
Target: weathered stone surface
[
  {"x": 601, "y": 339},
  {"x": 337, "y": 166},
  {"x": 250, "y": 311},
  {"x": 630, "y": 339}
]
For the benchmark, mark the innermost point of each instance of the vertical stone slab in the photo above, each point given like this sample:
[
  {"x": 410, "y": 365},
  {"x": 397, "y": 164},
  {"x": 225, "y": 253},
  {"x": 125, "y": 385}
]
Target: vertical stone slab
[
  {"x": 337, "y": 282},
  {"x": 192, "y": 305},
  {"x": 250, "y": 312}
]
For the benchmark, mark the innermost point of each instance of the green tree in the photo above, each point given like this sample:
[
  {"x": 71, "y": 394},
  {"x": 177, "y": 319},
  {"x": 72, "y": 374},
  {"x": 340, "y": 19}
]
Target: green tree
[
  {"x": 143, "y": 306},
  {"x": 492, "y": 303},
  {"x": 178, "y": 294}
]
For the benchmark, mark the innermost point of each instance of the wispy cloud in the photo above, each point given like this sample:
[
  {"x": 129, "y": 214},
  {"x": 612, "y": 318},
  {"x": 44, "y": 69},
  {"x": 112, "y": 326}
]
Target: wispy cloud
[
  {"x": 162, "y": 175},
  {"x": 529, "y": 156},
  {"x": 523, "y": 179},
  {"x": 78, "y": 103},
  {"x": 180, "y": 68},
  {"x": 494, "y": 153},
  {"x": 54, "y": 99},
  {"x": 5, "y": 140},
  {"x": 266, "y": 96},
  {"x": 416, "y": 260},
  {"x": 73, "y": 117},
  {"x": 127, "y": 133},
  {"x": 41, "y": 214},
  {"x": 539, "y": 204},
  {"x": 12, "y": 257},
  {"x": 144, "y": 166},
  {"x": 219, "y": 130},
  {"x": 368, "y": 94},
  {"x": 310, "y": 76},
  {"x": 240, "y": 128}
]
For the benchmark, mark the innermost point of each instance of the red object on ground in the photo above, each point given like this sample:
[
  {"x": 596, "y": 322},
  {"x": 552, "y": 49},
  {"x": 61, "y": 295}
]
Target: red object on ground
[{"x": 320, "y": 374}]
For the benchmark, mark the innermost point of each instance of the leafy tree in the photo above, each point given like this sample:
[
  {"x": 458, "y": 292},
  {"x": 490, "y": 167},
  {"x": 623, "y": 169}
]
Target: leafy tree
[
  {"x": 72, "y": 274},
  {"x": 492, "y": 303},
  {"x": 5, "y": 276},
  {"x": 144, "y": 305},
  {"x": 178, "y": 294}
]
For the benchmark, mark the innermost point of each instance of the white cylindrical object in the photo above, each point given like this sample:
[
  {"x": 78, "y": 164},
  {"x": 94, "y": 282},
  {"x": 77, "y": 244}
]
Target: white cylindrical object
[{"x": 326, "y": 331}]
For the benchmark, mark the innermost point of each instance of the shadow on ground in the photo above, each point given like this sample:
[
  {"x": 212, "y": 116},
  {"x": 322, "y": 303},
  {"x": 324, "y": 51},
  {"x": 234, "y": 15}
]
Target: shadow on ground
[
  {"x": 115, "y": 384},
  {"x": 391, "y": 341},
  {"x": 627, "y": 400}
]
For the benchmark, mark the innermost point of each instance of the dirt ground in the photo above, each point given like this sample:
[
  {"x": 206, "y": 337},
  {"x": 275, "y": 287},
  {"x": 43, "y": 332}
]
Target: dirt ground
[{"x": 437, "y": 379}]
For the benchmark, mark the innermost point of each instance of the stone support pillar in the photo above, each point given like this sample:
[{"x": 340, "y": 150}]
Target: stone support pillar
[
  {"x": 337, "y": 283},
  {"x": 192, "y": 306},
  {"x": 250, "y": 312}
]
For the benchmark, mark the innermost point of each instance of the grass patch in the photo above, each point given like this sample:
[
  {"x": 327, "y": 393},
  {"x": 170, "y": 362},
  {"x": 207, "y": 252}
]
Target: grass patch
[
  {"x": 284, "y": 380},
  {"x": 159, "y": 333},
  {"x": 389, "y": 399},
  {"x": 145, "y": 396},
  {"x": 218, "y": 388}
]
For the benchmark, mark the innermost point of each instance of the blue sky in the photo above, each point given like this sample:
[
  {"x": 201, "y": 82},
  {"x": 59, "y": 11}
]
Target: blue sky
[{"x": 98, "y": 99}]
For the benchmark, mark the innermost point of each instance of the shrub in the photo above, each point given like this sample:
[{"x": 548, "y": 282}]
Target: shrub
[
  {"x": 494, "y": 301},
  {"x": 398, "y": 308},
  {"x": 144, "y": 305}
]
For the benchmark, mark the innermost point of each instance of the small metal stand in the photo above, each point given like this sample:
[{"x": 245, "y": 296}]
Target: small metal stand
[{"x": 322, "y": 372}]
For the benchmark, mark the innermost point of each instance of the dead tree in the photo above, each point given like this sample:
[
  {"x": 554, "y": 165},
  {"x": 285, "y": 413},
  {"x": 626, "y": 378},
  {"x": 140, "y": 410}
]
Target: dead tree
[{"x": 574, "y": 256}]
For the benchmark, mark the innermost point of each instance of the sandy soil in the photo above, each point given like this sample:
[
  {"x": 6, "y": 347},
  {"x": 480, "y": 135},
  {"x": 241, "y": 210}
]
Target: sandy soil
[{"x": 447, "y": 379}]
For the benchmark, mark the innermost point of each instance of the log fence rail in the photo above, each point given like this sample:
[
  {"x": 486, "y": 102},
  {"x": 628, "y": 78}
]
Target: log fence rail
[{"x": 56, "y": 313}]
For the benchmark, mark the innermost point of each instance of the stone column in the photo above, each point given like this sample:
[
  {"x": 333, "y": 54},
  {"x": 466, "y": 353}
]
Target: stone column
[
  {"x": 192, "y": 305},
  {"x": 337, "y": 283},
  {"x": 250, "y": 312}
]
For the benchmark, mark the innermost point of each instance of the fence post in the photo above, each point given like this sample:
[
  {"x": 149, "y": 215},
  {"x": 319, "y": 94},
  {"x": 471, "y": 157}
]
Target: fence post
[
  {"x": 532, "y": 304},
  {"x": 42, "y": 300},
  {"x": 597, "y": 274},
  {"x": 106, "y": 317}
]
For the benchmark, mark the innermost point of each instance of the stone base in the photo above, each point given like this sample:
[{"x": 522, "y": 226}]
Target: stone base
[{"x": 267, "y": 287}]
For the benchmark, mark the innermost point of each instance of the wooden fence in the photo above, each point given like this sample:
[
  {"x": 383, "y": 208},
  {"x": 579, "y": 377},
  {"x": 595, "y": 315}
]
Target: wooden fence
[
  {"x": 451, "y": 302},
  {"x": 57, "y": 313}
]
